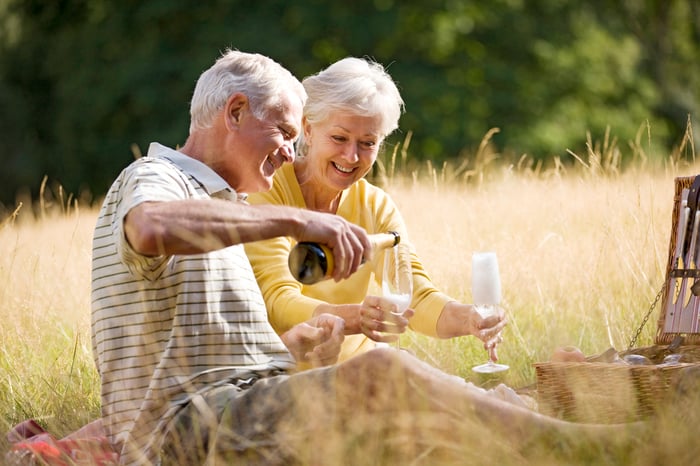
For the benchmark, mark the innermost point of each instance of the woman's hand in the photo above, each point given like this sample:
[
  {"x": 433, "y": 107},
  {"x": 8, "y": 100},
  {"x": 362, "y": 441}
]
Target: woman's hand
[
  {"x": 459, "y": 319},
  {"x": 316, "y": 341},
  {"x": 379, "y": 322}
]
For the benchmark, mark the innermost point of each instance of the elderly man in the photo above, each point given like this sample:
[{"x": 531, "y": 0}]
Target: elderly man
[{"x": 176, "y": 309}]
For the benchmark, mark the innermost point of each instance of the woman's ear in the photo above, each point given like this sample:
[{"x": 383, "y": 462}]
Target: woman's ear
[
  {"x": 235, "y": 106},
  {"x": 306, "y": 128}
]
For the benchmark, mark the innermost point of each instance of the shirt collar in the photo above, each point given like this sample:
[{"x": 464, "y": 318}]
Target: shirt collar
[{"x": 212, "y": 183}]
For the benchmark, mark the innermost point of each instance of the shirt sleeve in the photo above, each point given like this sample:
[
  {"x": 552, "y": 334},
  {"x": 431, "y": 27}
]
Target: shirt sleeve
[{"x": 145, "y": 181}]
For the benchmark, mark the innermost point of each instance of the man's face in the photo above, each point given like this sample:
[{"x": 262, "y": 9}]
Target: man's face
[{"x": 261, "y": 146}]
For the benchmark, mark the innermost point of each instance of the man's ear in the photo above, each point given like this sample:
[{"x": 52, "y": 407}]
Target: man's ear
[{"x": 235, "y": 106}]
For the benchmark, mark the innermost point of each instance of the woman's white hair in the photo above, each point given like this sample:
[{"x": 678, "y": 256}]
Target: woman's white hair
[
  {"x": 354, "y": 85},
  {"x": 259, "y": 78}
]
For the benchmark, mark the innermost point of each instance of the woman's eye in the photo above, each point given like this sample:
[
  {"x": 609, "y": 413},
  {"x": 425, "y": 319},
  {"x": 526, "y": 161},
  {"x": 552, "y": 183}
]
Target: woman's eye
[{"x": 339, "y": 138}]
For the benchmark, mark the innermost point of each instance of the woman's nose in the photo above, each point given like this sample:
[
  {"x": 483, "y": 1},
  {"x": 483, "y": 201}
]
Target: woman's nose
[{"x": 351, "y": 152}]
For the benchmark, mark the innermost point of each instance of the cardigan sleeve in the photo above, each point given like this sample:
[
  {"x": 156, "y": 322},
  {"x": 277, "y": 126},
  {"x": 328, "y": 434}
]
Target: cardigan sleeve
[
  {"x": 428, "y": 302},
  {"x": 290, "y": 302},
  {"x": 286, "y": 303}
]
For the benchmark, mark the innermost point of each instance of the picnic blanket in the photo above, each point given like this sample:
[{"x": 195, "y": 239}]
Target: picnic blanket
[{"x": 31, "y": 445}]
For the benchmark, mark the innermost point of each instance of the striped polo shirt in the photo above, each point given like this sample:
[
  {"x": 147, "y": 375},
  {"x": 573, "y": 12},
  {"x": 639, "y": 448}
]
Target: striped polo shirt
[{"x": 166, "y": 327}]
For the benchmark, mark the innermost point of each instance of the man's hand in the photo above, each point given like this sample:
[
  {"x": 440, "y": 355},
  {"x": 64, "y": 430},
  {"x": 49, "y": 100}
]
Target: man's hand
[
  {"x": 349, "y": 243},
  {"x": 316, "y": 341}
]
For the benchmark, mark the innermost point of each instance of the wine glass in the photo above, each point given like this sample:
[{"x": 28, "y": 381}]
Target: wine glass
[
  {"x": 397, "y": 278},
  {"x": 486, "y": 293}
]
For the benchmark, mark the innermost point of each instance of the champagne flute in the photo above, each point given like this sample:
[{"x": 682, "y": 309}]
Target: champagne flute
[
  {"x": 397, "y": 278},
  {"x": 486, "y": 293}
]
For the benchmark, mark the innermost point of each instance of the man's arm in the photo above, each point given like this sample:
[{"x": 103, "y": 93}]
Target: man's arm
[{"x": 196, "y": 226}]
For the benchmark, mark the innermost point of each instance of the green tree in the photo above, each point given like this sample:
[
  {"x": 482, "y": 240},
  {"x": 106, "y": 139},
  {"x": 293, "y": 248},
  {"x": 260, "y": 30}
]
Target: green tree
[{"x": 85, "y": 84}]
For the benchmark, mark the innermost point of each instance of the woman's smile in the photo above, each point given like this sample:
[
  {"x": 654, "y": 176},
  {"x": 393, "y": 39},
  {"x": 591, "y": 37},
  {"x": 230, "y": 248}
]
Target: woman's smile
[{"x": 342, "y": 169}]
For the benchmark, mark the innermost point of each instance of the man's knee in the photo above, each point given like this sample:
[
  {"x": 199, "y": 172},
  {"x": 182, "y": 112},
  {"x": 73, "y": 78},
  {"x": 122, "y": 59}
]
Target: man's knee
[
  {"x": 379, "y": 363},
  {"x": 374, "y": 379}
]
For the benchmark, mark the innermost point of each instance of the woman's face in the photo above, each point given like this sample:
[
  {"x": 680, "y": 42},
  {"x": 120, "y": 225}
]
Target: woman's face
[{"x": 341, "y": 148}]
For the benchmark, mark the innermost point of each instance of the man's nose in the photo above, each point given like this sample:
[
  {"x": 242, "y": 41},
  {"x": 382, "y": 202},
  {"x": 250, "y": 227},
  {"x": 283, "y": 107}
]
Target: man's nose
[{"x": 287, "y": 152}]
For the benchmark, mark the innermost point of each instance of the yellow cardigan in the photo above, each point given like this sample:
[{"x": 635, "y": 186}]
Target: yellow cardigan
[{"x": 289, "y": 302}]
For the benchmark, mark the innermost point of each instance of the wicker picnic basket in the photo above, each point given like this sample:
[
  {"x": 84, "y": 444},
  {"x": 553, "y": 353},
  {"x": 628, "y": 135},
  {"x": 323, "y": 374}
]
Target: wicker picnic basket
[{"x": 606, "y": 388}]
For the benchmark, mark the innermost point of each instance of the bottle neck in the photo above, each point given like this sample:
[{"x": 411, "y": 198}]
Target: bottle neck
[
  {"x": 386, "y": 240},
  {"x": 382, "y": 241}
]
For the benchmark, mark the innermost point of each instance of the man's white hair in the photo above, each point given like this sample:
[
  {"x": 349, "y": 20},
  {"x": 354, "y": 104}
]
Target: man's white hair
[{"x": 261, "y": 79}]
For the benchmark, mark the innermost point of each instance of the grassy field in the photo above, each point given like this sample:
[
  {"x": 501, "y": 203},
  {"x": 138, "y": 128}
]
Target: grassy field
[
  {"x": 46, "y": 362},
  {"x": 582, "y": 256}
]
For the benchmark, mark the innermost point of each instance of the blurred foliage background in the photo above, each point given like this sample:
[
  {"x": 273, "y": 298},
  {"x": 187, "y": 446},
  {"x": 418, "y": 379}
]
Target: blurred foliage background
[{"x": 86, "y": 84}]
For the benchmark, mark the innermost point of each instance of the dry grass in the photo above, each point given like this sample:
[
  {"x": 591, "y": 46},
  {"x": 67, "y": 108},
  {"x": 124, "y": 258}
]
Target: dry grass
[
  {"x": 581, "y": 258},
  {"x": 46, "y": 360},
  {"x": 582, "y": 255}
]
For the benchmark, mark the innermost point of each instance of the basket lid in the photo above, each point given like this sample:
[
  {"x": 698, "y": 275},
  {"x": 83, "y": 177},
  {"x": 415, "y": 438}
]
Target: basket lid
[{"x": 680, "y": 310}]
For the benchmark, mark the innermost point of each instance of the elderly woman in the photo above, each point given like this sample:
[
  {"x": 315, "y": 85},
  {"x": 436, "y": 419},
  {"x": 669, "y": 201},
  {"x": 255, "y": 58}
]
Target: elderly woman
[{"x": 352, "y": 106}]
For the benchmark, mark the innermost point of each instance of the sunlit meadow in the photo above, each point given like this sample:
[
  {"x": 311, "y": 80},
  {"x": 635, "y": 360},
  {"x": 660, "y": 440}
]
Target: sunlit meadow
[
  {"x": 582, "y": 253},
  {"x": 45, "y": 350}
]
